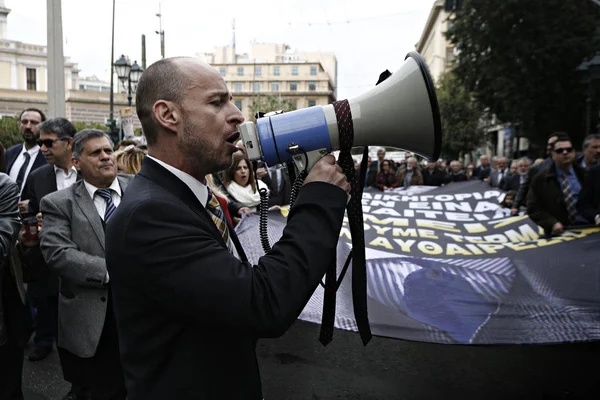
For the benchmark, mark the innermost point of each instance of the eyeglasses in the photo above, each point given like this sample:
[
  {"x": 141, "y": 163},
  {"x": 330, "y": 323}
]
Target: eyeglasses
[
  {"x": 48, "y": 142},
  {"x": 563, "y": 150}
]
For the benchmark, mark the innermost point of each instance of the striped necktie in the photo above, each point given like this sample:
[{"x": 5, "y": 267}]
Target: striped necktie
[
  {"x": 106, "y": 194},
  {"x": 216, "y": 213},
  {"x": 569, "y": 199}
]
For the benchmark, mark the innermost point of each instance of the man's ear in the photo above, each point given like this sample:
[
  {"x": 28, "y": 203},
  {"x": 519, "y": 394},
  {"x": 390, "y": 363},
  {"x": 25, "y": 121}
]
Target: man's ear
[
  {"x": 167, "y": 115},
  {"x": 75, "y": 163}
]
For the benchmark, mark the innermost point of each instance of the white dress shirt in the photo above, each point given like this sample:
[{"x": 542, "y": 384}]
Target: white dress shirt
[
  {"x": 20, "y": 160},
  {"x": 65, "y": 179},
  {"x": 198, "y": 188},
  {"x": 99, "y": 201}
]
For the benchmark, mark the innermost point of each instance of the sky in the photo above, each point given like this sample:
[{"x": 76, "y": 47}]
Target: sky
[{"x": 367, "y": 37}]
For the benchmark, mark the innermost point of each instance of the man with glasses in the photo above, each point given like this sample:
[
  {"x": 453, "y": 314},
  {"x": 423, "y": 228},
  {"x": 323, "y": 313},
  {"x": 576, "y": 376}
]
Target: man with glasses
[
  {"x": 554, "y": 191},
  {"x": 55, "y": 142},
  {"x": 22, "y": 159},
  {"x": 521, "y": 198}
]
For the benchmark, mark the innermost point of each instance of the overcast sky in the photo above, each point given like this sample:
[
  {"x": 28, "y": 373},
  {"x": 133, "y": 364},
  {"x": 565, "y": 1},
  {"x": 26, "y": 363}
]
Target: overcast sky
[{"x": 366, "y": 36}]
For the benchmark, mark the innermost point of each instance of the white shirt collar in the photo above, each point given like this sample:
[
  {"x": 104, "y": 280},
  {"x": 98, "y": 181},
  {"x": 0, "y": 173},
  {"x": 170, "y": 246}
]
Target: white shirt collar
[
  {"x": 32, "y": 151},
  {"x": 91, "y": 189},
  {"x": 72, "y": 170},
  {"x": 198, "y": 188}
]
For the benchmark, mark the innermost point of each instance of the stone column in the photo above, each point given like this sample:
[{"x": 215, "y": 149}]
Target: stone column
[{"x": 56, "y": 61}]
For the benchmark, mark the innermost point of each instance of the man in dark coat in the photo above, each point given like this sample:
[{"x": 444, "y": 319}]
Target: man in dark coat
[{"x": 189, "y": 306}]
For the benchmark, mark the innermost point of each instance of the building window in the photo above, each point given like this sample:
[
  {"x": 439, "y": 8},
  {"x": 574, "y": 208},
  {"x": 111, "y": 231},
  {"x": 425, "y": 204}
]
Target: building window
[
  {"x": 237, "y": 87},
  {"x": 238, "y": 104},
  {"x": 31, "y": 79},
  {"x": 449, "y": 56},
  {"x": 312, "y": 86},
  {"x": 223, "y": 71},
  {"x": 312, "y": 103},
  {"x": 257, "y": 71},
  {"x": 313, "y": 70},
  {"x": 275, "y": 87},
  {"x": 293, "y": 86},
  {"x": 293, "y": 104},
  {"x": 240, "y": 71},
  {"x": 295, "y": 70},
  {"x": 256, "y": 87},
  {"x": 81, "y": 87},
  {"x": 276, "y": 71}
]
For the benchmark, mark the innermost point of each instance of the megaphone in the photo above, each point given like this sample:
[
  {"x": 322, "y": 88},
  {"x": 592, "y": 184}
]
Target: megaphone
[{"x": 401, "y": 112}]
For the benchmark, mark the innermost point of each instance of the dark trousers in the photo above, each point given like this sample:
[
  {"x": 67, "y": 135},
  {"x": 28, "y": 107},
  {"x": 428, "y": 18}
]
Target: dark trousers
[
  {"x": 101, "y": 374},
  {"x": 45, "y": 304},
  {"x": 17, "y": 322}
]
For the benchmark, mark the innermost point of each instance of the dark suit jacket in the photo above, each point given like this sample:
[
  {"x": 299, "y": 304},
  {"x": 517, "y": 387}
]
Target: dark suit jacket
[
  {"x": 435, "y": 178},
  {"x": 511, "y": 182},
  {"x": 545, "y": 200},
  {"x": 589, "y": 198},
  {"x": 521, "y": 198},
  {"x": 40, "y": 182},
  {"x": 482, "y": 173},
  {"x": 13, "y": 152},
  {"x": 188, "y": 312}
]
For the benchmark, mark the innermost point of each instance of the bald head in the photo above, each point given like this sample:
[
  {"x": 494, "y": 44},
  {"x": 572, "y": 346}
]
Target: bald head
[{"x": 168, "y": 79}]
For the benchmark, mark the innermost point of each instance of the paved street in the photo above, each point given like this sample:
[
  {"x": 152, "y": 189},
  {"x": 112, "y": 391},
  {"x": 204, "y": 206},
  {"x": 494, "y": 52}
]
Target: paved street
[{"x": 297, "y": 367}]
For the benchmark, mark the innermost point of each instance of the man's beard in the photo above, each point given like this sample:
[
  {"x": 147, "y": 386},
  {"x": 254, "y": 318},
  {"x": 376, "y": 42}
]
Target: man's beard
[
  {"x": 198, "y": 158},
  {"x": 29, "y": 138}
]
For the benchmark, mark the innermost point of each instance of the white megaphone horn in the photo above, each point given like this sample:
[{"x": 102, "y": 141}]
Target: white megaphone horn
[{"x": 401, "y": 112}]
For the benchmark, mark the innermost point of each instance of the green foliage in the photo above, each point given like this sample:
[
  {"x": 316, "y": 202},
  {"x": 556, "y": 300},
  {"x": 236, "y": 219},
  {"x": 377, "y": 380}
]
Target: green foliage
[
  {"x": 460, "y": 115},
  {"x": 9, "y": 132},
  {"x": 79, "y": 126},
  {"x": 519, "y": 59},
  {"x": 268, "y": 103}
]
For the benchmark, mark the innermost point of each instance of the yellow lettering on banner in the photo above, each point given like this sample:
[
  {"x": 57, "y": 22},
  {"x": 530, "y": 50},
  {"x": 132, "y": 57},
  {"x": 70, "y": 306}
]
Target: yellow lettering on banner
[
  {"x": 411, "y": 232},
  {"x": 430, "y": 248},
  {"x": 525, "y": 234},
  {"x": 345, "y": 232},
  {"x": 442, "y": 226},
  {"x": 387, "y": 221},
  {"x": 453, "y": 249},
  {"x": 520, "y": 246},
  {"x": 456, "y": 238},
  {"x": 380, "y": 230},
  {"x": 405, "y": 246},
  {"x": 381, "y": 242},
  {"x": 475, "y": 228},
  {"x": 491, "y": 248},
  {"x": 474, "y": 249},
  {"x": 427, "y": 234},
  {"x": 509, "y": 221}
]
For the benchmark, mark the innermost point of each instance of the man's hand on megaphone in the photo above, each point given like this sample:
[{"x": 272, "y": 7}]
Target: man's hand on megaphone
[{"x": 326, "y": 170}]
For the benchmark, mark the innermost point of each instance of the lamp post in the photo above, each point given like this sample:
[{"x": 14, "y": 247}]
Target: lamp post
[
  {"x": 589, "y": 77},
  {"x": 128, "y": 74}
]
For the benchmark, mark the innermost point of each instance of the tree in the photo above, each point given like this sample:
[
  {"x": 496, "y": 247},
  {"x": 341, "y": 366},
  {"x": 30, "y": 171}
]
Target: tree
[
  {"x": 460, "y": 115},
  {"x": 268, "y": 103},
  {"x": 519, "y": 59},
  {"x": 9, "y": 132}
]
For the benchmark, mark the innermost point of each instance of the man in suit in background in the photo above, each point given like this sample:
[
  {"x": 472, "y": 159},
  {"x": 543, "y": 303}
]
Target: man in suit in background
[
  {"x": 514, "y": 181},
  {"x": 189, "y": 306},
  {"x": 500, "y": 172},
  {"x": 22, "y": 159},
  {"x": 484, "y": 169},
  {"x": 14, "y": 316},
  {"x": 589, "y": 202},
  {"x": 72, "y": 242},
  {"x": 521, "y": 198}
]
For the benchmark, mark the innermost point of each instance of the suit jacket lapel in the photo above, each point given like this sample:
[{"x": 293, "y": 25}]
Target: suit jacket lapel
[
  {"x": 49, "y": 183},
  {"x": 85, "y": 203}
]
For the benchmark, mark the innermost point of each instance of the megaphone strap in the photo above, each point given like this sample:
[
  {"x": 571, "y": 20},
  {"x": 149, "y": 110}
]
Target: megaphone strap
[{"x": 343, "y": 115}]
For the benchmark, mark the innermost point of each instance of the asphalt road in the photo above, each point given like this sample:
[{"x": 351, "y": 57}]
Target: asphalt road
[{"x": 297, "y": 367}]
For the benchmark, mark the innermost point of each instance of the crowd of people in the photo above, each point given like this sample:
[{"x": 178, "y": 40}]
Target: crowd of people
[
  {"x": 161, "y": 302},
  {"x": 559, "y": 191}
]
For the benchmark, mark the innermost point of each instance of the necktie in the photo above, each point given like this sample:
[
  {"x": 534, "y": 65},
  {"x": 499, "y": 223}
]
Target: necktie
[
  {"x": 110, "y": 206},
  {"x": 569, "y": 199},
  {"x": 21, "y": 175},
  {"x": 217, "y": 215}
]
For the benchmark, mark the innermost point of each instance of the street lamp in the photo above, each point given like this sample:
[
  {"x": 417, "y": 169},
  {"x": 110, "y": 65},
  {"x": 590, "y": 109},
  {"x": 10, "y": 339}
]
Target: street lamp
[
  {"x": 128, "y": 73},
  {"x": 589, "y": 77}
]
